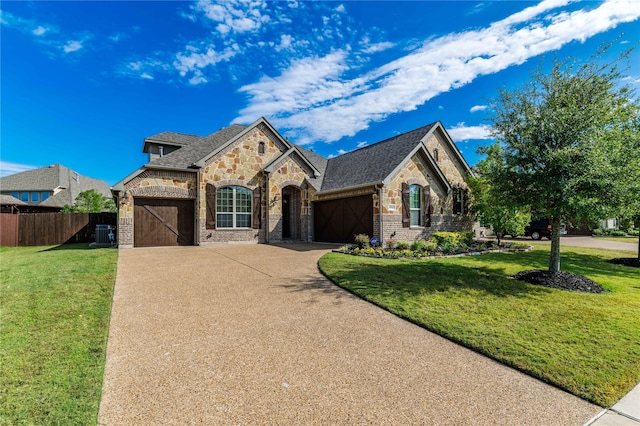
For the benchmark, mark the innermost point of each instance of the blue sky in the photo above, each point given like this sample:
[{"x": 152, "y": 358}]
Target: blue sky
[{"x": 84, "y": 82}]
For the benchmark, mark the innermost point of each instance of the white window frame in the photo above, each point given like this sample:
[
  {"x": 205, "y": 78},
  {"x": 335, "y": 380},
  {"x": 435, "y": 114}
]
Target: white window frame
[
  {"x": 412, "y": 210},
  {"x": 234, "y": 213}
]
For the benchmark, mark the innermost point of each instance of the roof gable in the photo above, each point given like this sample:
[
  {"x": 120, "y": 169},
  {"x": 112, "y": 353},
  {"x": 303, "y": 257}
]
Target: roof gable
[{"x": 373, "y": 163}]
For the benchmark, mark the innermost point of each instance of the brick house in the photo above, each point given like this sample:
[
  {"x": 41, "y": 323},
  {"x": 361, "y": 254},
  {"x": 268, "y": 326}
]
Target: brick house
[{"x": 249, "y": 184}]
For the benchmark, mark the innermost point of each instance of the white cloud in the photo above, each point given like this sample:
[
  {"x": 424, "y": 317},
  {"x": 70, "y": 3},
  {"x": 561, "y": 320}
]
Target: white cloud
[
  {"x": 362, "y": 144},
  {"x": 478, "y": 108},
  {"x": 194, "y": 60},
  {"x": 39, "y": 30},
  {"x": 72, "y": 46},
  {"x": 378, "y": 47},
  {"x": 285, "y": 42},
  {"x": 7, "y": 168},
  {"x": 461, "y": 132},
  {"x": 146, "y": 76},
  {"x": 234, "y": 15},
  {"x": 314, "y": 101}
]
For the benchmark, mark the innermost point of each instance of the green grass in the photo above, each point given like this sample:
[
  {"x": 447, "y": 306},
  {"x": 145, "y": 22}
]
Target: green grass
[
  {"x": 56, "y": 304},
  {"x": 630, "y": 240},
  {"x": 587, "y": 344}
]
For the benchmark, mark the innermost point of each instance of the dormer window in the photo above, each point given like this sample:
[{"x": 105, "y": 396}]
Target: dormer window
[
  {"x": 261, "y": 148},
  {"x": 160, "y": 151}
]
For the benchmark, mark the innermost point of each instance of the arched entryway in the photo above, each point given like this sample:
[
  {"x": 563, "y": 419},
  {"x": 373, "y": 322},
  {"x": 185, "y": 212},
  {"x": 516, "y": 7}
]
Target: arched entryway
[{"x": 291, "y": 213}]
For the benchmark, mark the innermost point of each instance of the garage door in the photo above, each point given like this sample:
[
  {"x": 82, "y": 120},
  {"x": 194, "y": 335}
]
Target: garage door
[
  {"x": 337, "y": 221},
  {"x": 159, "y": 222}
]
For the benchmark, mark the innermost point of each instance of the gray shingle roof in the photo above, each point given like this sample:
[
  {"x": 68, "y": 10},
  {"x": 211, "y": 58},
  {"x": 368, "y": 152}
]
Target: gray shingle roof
[
  {"x": 172, "y": 138},
  {"x": 8, "y": 200},
  {"x": 372, "y": 163},
  {"x": 52, "y": 177},
  {"x": 197, "y": 148},
  {"x": 318, "y": 161}
]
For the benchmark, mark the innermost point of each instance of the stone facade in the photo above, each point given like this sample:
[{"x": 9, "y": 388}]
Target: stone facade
[{"x": 255, "y": 160}]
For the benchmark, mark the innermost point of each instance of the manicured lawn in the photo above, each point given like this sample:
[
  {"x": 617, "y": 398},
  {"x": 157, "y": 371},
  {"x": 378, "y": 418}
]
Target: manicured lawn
[
  {"x": 56, "y": 304},
  {"x": 630, "y": 240},
  {"x": 588, "y": 344}
]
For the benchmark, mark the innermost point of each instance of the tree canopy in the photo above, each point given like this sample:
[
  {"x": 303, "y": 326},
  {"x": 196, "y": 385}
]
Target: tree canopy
[
  {"x": 566, "y": 140},
  {"x": 91, "y": 201}
]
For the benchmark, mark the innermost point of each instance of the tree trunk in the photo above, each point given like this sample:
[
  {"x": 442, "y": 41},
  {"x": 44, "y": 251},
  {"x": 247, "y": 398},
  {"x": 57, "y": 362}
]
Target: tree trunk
[{"x": 554, "y": 257}]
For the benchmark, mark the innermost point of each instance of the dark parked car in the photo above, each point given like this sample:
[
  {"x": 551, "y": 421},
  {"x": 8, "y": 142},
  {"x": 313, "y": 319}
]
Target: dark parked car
[{"x": 540, "y": 228}]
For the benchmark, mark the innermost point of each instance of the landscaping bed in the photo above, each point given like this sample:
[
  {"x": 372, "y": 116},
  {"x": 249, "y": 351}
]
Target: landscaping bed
[{"x": 442, "y": 244}]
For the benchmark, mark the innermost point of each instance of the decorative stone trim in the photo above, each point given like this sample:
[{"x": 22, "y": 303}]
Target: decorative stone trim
[
  {"x": 163, "y": 192},
  {"x": 300, "y": 185},
  {"x": 168, "y": 174},
  {"x": 233, "y": 182}
]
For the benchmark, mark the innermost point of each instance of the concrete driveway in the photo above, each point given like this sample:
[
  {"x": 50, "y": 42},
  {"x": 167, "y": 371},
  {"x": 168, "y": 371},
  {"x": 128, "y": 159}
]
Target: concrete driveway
[{"x": 253, "y": 334}]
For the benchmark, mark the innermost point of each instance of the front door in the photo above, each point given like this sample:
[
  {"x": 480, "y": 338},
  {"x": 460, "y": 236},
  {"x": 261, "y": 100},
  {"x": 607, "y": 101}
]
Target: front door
[{"x": 286, "y": 216}]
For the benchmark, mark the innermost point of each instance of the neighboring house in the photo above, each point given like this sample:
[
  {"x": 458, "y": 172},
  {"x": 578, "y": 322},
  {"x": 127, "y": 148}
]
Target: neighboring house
[
  {"x": 249, "y": 184},
  {"x": 47, "y": 189}
]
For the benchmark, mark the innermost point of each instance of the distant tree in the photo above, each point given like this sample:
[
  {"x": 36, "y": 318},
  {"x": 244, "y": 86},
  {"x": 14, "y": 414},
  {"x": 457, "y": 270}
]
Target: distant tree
[
  {"x": 490, "y": 206},
  {"x": 564, "y": 136},
  {"x": 91, "y": 201}
]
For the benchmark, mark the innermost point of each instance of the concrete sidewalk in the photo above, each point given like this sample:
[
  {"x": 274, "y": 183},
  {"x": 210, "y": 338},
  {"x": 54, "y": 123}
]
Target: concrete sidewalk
[{"x": 254, "y": 334}]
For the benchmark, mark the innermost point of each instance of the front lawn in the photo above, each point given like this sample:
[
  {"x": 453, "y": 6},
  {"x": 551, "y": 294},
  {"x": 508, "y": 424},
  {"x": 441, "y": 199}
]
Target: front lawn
[
  {"x": 630, "y": 240},
  {"x": 588, "y": 344},
  {"x": 56, "y": 305}
]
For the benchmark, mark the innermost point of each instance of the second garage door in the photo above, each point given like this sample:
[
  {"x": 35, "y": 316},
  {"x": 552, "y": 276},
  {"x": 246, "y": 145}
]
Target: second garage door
[
  {"x": 338, "y": 221},
  {"x": 160, "y": 222}
]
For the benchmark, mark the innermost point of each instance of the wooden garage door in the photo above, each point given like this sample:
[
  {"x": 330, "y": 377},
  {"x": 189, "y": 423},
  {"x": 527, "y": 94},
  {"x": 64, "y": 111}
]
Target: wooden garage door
[
  {"x": 337, "y": 221},
  {"x": 159, "y": 222}
]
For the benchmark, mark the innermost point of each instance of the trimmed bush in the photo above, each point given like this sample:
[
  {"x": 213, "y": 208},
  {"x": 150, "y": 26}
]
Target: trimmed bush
[
  {"x": 362, "y": 241},
  {"x": 403, "y": 245}
]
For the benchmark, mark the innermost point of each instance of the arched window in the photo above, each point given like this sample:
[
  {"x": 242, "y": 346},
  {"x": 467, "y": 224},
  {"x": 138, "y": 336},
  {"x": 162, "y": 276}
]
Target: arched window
[
  {"x": 415, "y": 205},
  {"x": 233, "y": 207}
]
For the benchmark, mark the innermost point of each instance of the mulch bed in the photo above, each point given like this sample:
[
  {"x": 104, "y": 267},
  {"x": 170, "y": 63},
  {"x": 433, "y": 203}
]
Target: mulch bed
[
  {"x": 560, "y": 280},
  {"x": 633, "y": 262}
]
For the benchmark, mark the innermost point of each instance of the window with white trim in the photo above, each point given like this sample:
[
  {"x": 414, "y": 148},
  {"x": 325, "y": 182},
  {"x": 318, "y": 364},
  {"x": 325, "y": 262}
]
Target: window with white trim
[
  {"x": 415, "y": 205},
  {"x": 233, "y": 207}
]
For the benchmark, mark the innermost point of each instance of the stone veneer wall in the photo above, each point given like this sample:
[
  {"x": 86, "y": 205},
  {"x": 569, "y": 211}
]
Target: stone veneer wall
[
  {"x": 156, "y": 184},
  {"x": 417, "y": 172},
  {"x": 290, "y": 173}
]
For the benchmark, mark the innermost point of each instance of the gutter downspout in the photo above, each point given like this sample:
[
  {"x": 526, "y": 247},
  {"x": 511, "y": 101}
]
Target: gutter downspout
[
  {"x": 267, "y": 202},
  {"x": 379, "y": 188},
  {"x": 197, "y": 209}
]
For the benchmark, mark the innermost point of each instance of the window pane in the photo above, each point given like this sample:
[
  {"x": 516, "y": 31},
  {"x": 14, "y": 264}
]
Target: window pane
[
  {"x": 224, "y": 200},
  {"x": 225, "y": 220},
  {"x": 25, "y": 196},
  {"x": 243, "y": 221},
  {"x": 243, "y": 200},
  {"x": 415, "y": 217},
  {"x": 35, "y": 196},
  {"x": 414, "y": 196},
  {"x": 15, "y": 194},
  {"x": 45, "y": 195}
]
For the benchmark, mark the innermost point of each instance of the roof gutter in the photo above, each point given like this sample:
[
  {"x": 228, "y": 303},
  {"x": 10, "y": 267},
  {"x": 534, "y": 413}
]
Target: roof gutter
[{"x": 351, "y": 188}]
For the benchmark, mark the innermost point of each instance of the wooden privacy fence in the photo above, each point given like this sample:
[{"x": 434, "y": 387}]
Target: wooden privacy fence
[
  {"x": 8, "y": 229},
  {"x": 45, "y": 229}
]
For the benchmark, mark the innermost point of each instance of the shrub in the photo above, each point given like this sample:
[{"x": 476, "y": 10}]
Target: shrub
[
  {"x": 362, "y": 241},
  {"x": 447, "y": 238},
  {"x": 634, "y": 232},
  {"x": 391, "y": 243},
  {"x": 598, "y": 232},
  {"x": 418, "y": 245},
  {"x": 403, "y": 245},
  {"x": 618, "y": 233},
  {"x": 467, "y": 237}
]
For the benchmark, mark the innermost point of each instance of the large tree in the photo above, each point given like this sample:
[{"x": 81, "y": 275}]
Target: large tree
[{"x": 565, "y": 136}]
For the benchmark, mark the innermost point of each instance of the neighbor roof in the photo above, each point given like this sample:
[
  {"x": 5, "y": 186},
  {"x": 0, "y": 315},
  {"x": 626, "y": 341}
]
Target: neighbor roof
[{"x": 55, "y": 177}]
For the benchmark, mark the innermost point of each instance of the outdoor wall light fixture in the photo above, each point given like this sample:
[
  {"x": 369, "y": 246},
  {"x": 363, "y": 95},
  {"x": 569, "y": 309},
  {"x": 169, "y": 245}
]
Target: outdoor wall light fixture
[
  {"x": 275, "y": 198},
  {"x": 125, "y": 196}
]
